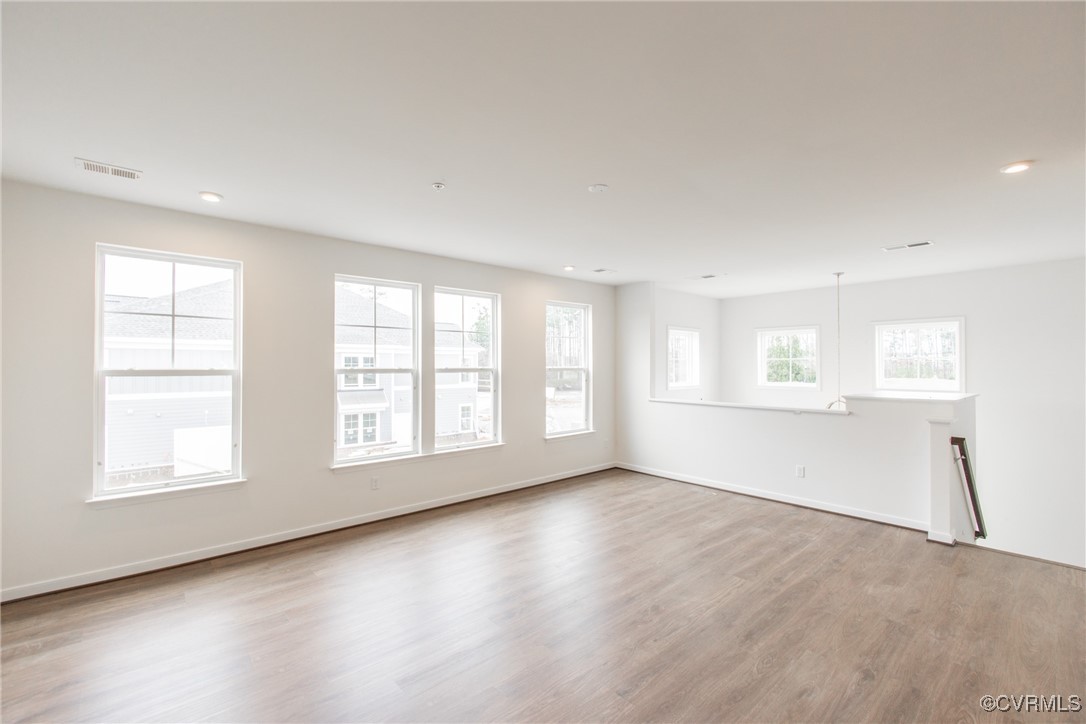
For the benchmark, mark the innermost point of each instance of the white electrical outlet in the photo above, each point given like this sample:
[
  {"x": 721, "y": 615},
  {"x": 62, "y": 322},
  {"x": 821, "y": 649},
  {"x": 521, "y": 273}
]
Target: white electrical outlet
[
  {"x": 375, "y": 483},
  {"x": 801, "y": 471}
]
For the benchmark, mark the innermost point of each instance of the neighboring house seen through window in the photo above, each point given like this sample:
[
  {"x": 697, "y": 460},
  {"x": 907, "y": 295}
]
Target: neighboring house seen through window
[
  {"x": 167, "y": 367},
  {"x": 375, "y": 329},
  {"x": 569, "y": 368},
  {"x": 466, "y": 374}
]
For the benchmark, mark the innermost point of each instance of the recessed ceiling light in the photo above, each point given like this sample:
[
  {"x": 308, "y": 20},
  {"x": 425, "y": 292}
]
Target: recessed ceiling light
[
  {"x": 914, "y": 245},
  {"x": 568, "y": 267},
  {"x": 211, "y": 197},
  {"x": 598, "y": 188},
  {"x": 1016, "y": 167},
  {"x": 438, "y": 186}
]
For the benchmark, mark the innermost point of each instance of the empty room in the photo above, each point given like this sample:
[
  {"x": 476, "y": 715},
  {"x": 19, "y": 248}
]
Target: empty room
[{"x": 543, "y": 361}]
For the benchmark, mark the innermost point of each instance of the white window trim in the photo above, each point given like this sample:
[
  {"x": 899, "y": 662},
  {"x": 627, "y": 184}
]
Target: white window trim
[
  {"x": 343, "y": 429},
  {"x": 362, "y": 375},
  {"x": 587, "y": 369},
  {"x": 363, "y": 427},
  {"x": 99, "y": 491},
  {"x": 470, "y": 419},
  {"x": 918, "y": 384},
  {"x": 494, "y": 370},
  {"x": 760, "y": 364},
  {"x": 695, "y": 360},
  {"x": 413, "y": 371},
  {"x": 346, "y": 359}
]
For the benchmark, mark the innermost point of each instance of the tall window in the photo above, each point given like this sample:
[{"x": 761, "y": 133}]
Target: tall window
[
  {"x": 376, "y": 410},
  {"x": 168, "y": 370},
  {"x": 569, "y": 368},
  {"x": 466, "y": 368},
  {"x": 788, "y": 357},
  {"x": 919, "y": 355},
  {"x": 683, "y": 358}
]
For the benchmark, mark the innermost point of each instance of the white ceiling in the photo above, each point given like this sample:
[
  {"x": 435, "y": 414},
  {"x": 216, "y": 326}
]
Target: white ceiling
[{"x": 775, "y": 143}]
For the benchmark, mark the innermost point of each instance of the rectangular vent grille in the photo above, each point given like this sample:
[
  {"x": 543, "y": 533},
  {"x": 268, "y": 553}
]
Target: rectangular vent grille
[
  {"x": 601, "y": 270},
  {"x": 108, "y": 169}
]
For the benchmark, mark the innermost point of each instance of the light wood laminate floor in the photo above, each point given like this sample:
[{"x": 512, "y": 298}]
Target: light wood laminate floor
[{"x": 609, "y": 597}]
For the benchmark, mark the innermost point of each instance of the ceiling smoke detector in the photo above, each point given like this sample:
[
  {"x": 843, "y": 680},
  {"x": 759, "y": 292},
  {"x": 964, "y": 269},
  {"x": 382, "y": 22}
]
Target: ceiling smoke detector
[
  {"x": 598, "y": 188},
  {"x": 108, "y": 169},
  {"x": 438, "y": 186}
]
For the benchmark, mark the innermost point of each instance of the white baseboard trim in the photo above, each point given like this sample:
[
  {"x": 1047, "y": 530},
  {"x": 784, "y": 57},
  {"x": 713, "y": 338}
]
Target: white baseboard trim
[
  {"x": 153, "y": 564},
  {"x": 946, "y": 539},
  {"x": 780, "y": 497}
]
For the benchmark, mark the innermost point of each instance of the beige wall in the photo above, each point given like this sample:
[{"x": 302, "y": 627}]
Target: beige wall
[{"x": 52, "y": 538}]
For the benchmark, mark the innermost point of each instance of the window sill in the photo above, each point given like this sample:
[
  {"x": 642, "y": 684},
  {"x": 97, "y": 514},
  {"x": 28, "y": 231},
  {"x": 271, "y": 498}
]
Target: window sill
[
  {"x": 568, "y": 435},
  {"x": 413, "y": 458},
  {"x": 176, "y": 491},
  {"x": 744, "y": 406},
  {"x": 465, "y": 449},
  {"x": 790, "y": 386},
  {"x": 912, "y": 396}
]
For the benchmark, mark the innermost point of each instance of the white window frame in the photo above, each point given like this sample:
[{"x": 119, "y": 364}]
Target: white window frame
[
  {"x": 413, "y": 371},
  {"x": 369, "y": 430},
  {"x": 921, "y": 384},
  {"x": 465, "y": 372},
  {"x": 102, "y": 374},
  {"x": 693, "y": 363},
  {"x": 347, "y": 430},
  {"x": 470, "y": 419},
  {"x": 762, "y": 366},
  {"x": 586, "y": 369},
  {"x": 351, "y": 362},
  {"x": 368, "y": 362}
]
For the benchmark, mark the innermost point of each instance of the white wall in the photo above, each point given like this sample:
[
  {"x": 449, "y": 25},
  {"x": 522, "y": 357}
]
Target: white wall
[
  {"x": 1025, "y": 342},
  {"x": 678, "y": 309},
  {"x": 52, "y": 538}
]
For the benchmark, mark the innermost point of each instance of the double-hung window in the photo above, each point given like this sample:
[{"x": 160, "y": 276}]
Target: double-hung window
[
  {"x": 376, "y": 411},
  {"x": 919, "y": 355},
  {"x": 683, "y": 358},
  {"x": 168, "y": 368},
  {"x": 466, "y": 390},
  {"x": 788, "y": 357},
  {"x": 569, "y": 368}
]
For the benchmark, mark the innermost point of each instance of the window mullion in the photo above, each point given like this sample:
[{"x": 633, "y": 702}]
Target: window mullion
[{"x": 173, "y": 314}]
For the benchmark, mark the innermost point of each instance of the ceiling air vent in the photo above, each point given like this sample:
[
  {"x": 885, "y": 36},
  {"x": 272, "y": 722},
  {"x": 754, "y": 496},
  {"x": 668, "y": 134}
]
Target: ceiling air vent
[
  {"x": 108, "y": 169},
  {"x": 601, "y": 270}
]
